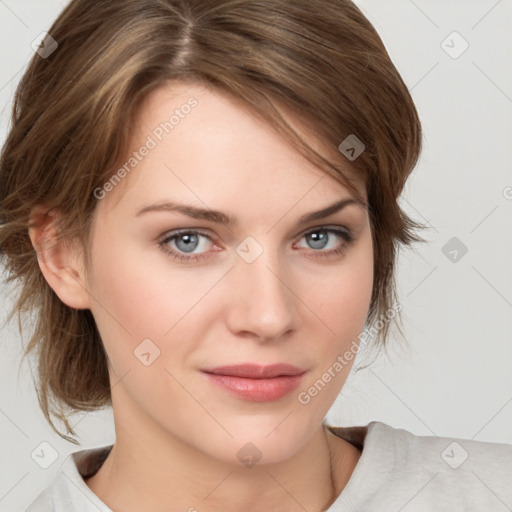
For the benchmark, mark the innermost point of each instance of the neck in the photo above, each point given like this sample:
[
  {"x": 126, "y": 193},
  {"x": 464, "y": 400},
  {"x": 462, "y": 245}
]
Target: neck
[
  {"x": 159, "y": 472},
  {"x": 144, "y": 478}
]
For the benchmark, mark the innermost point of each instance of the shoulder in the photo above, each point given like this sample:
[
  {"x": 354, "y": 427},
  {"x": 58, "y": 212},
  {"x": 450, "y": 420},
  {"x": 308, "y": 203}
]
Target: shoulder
[
  {"x": 68, "y": 490},
  {"x": 461, "y": 473}
]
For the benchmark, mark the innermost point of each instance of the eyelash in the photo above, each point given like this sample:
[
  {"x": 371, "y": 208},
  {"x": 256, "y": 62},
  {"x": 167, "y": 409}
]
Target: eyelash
[{"x": 346, "y": 235}]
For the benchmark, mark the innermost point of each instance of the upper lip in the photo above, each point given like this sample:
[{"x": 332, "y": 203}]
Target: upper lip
[{"x": 254, "y": 371}]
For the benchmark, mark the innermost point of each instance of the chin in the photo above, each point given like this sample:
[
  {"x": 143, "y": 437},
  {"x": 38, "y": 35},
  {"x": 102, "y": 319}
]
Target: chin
[{"x": 259, "y": 440}]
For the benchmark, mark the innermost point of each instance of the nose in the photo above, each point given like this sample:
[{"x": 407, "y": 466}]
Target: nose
[{"x": 261, "y": 301}]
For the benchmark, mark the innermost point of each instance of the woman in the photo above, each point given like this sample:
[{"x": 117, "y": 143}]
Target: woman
[{"x": 200, "y": 201}]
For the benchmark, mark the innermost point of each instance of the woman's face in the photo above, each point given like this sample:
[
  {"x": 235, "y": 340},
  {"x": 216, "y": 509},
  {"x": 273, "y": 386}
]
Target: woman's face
[{"x": 177, "y": 290}]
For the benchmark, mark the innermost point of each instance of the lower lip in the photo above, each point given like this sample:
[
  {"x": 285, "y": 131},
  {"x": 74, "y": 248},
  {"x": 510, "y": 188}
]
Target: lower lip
[{"x": 257, "y": 390}]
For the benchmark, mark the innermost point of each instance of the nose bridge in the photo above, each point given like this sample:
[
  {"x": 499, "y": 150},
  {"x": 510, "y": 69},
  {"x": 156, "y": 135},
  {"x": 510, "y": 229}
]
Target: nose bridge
[{"x": 263, "y": 303}]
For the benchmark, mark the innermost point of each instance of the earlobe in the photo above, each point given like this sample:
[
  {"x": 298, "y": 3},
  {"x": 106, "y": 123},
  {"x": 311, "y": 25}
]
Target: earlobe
[{"x": 60, "y": 261}]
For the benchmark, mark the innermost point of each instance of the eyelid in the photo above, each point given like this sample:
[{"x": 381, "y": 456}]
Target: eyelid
[
  {"x": 175, "y": 232},
  {"x": 180, "y": 231},
  {"x": 327, "y": 227}
]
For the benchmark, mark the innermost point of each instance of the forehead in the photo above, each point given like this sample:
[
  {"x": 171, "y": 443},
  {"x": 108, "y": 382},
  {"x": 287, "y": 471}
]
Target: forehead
[{"x": 203, "y": 145}]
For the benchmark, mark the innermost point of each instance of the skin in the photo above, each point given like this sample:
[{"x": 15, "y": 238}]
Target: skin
[{"x": 177, "y": 435}]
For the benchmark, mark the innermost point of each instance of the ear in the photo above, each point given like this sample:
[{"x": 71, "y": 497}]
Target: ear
[{"x": 61, "y": 261}]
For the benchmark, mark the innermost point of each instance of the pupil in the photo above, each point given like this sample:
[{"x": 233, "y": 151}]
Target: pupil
[
  {"x": 190, "y": 243},
  {"x": 318, "y": 239}
]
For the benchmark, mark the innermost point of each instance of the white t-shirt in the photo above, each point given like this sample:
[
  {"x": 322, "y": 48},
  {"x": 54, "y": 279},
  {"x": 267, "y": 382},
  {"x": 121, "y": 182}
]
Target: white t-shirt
[{"x": 397, "y": 471}]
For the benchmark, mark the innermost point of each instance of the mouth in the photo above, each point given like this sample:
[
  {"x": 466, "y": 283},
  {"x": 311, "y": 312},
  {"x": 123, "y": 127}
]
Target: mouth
[
  {"x": 256, "y": 383},
  {"x": 254, "y": 371}
]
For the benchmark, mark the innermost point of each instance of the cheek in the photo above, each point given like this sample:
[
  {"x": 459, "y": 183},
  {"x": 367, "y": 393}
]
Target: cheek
[
  {"x": 342, "y": 299},
  {"x": 129, "y": 295},
  {"x": 140, "y": 295},
  {"x": 341, "y": 306}
]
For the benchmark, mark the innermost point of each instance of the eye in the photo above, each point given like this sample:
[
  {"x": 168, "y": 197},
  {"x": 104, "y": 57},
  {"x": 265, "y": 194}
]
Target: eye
[
  {"x": 187, "y": 245},
  {"x": 192, "y": 245},
  {"x": 326, "y": 241}
]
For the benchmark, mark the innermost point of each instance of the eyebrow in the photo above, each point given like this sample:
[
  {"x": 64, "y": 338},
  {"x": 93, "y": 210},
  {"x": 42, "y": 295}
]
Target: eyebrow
[{"x": 222, "y": 218}]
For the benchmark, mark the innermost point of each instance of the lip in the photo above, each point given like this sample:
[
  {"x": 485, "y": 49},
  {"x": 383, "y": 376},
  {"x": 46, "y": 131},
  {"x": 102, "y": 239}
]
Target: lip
[
  {"x": 256, "y": 383},
  {"x": 255, "y": 371}
]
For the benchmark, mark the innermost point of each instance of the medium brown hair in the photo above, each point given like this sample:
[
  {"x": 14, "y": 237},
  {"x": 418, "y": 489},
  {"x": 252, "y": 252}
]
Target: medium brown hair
[{"x": 322, "y": 61}]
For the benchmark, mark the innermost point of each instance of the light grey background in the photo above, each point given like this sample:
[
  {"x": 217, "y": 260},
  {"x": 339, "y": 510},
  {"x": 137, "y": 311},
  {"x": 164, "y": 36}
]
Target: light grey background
[{"x": 455, "y": 379}]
